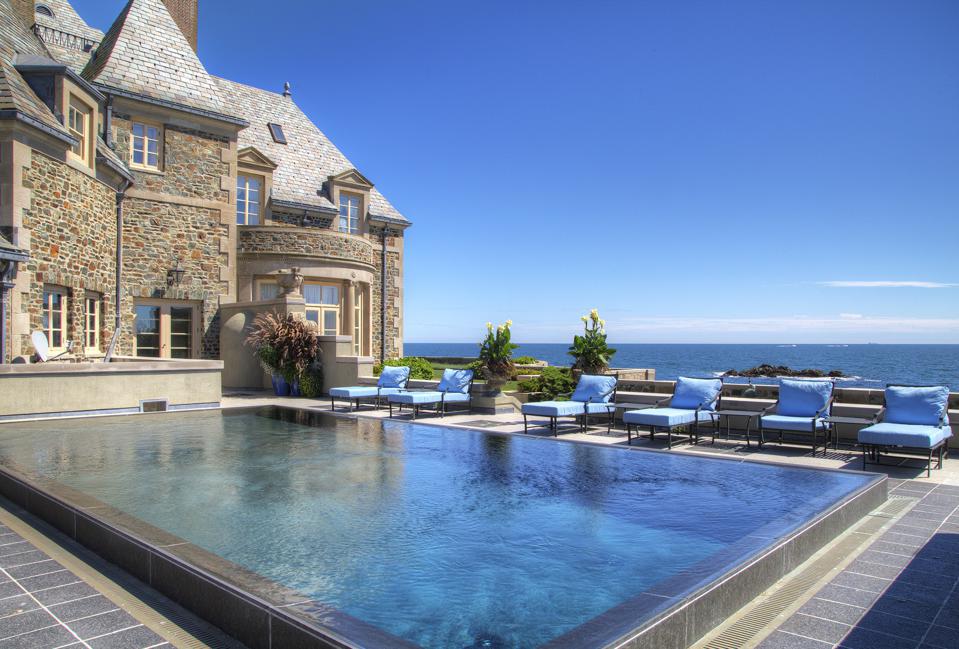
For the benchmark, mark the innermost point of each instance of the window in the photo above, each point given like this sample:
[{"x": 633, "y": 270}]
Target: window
[
  {"x": 44, "y": 10},
  {"x": 349, "y": 213},
  {"x": 323, "y": 307},
  {"x": 78, "y": 122},
  {"x": 145, "y": 146},
  {"x": 165, "y": 329},
  {"x": 267, "y": 290},
  {"x": 248, "y": 191},
  {"x": 91, "y": 322},
  {"x": 54, "y": 316},
  {"x": 358, "y": 321},
  {"x": 277, "y": 132}
]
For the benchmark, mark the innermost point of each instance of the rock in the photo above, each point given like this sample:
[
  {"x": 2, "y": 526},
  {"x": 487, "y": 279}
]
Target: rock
[{"x": 766, "y": 370}]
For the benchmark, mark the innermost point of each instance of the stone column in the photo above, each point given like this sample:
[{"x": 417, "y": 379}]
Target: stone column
[{"x": 349, "y": 307}]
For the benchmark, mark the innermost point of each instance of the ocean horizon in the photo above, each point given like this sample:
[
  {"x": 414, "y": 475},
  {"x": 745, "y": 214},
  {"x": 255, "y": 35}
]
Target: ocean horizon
[{"x": 870, "y": 365}]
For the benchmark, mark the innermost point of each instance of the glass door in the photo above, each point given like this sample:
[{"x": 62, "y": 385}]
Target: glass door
[
  {"x": 165, "y": 330},
  {"x": 181, "y": 331},
  {"x": 147, "y": 326}
]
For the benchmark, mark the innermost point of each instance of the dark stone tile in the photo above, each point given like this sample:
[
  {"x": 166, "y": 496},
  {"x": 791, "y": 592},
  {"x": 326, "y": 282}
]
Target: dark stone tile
[
  {"x": 17, "y": 604},
  {"x": 24, "y": 623},
  {"x": 816, "y": 628},
  {"x": 42, "y": 582},
  {"x": 62, "y": 594},
  {"x": 932, "y": 513},
  {"x": 927, "y": 579},
  {"x": 948, "y": 618},
  {"x": 22, "y": 559},
  {"x": 138, "y": 637},
  {"x": 906, "y": 608},
  {"x": 114, "y": 547},
  {"x": 83, "y": 608},
  {"x": 937, "y": 499},
  {"x": 860, "y": 638},
  {"x": 947, "y": 490},
  {"x": 54, "y": 636},
  {"x": 14, "y": 490},
  {"x": 845, "y": 613},
  {"x": 909, "y": 540},
  {"x": 781, "y": 640},
  {"x": 289, "y": 635},
  {"x": 861, "y": 582},
  {"x": 17, "y": 547},
  {"x": 234, "y": 614},
  {"x": 32, "y": 569},
  {"x": 893, "y": 625},
  {"x": 91, "y": 627},
  {"x": 940, "y": 636},
  {"x": 845, "y": 595},
  {"x": 57, "y": 514},
  {"x": 939, "y": 564}
]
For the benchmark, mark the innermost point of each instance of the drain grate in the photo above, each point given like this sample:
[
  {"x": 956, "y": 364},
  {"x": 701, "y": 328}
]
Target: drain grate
[{"x": 751, "y": 623}]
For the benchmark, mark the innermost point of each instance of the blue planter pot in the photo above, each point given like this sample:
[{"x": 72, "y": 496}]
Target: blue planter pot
[
  {"x": 280, "y": 387},
  {"x": 295, "y": 389}
]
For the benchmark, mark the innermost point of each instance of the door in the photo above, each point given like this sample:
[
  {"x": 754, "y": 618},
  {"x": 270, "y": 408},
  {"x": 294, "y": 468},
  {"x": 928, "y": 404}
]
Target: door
[{"x": 166, "y": 329}]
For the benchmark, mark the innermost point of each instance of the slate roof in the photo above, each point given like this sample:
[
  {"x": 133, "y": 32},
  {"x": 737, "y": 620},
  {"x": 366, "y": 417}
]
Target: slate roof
[
  {"x": 66, "y": 19},
  {"x": 144, "y": 52},
  {"x": 307, "y": 160},
  {"x": 16, "y": 36},
  {"x": 70, "y": 33}
]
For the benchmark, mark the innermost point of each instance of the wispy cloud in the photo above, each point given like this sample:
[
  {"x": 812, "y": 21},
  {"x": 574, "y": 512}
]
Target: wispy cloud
[{"x": 884, "y": 284}]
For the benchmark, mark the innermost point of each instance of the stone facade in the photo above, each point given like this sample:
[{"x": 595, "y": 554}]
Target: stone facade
[
  {"x": 71, "y": 222},
  {"x": 394, "y": 295},
  {"x": 306, "y": 241}
]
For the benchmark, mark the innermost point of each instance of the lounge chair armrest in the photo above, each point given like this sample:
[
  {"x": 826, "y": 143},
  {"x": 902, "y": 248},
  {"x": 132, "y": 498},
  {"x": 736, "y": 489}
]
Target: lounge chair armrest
[
  {"x": 769, "y": 408},
  {"x": 703, "y": 405},
  {"x": 661, "y": 402},
  {"x": 876, "y": 418},
  {"x": 824, "y": 409}
]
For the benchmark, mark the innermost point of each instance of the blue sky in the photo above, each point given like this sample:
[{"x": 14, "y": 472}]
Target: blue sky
[{"x": 699, "y": 171}]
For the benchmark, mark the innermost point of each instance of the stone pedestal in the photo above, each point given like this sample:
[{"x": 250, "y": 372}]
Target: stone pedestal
[{"x": 501, "y": 404}]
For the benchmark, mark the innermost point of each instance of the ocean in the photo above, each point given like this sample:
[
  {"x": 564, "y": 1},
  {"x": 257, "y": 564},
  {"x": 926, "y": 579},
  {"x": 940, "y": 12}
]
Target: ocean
[{"x": 864, "y": 365}]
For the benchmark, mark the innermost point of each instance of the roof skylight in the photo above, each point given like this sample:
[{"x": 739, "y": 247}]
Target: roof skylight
[{"x": 277, "y": 132}]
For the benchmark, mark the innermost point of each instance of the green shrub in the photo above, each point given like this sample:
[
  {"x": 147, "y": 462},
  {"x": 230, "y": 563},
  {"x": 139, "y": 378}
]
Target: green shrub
[
  {"x": 590, "y": 351},
  {"x": 420, "y": 368},
  {"x": 311, "y": 381},
  {"x": 525, "y": 360},
  {"x": 551, "y": 382}
]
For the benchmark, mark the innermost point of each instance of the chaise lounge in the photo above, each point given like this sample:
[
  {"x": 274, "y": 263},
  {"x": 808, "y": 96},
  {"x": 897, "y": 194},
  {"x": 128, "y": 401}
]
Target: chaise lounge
[
  {"x": 592, "y": 396},
  {"x": 802, "y": 407},
  {"x": 693, "y": 401},
  {"x": 392, "y": 380},
  {"x": 913, "y": 419},
  {"x": 456, "y": 386}
]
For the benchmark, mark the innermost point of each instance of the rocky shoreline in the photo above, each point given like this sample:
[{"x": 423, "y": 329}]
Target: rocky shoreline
[{"x": 765, "y": 370}]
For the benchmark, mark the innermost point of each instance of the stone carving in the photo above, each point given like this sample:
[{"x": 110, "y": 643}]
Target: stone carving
[{"x": 291, "y": 283}]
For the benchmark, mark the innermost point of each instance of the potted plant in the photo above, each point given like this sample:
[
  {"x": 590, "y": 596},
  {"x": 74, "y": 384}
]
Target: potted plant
[
  {"x": 590, "y": 352},
  {"x": 496, "y": 357},
  {"x": 286, "y": 347}
]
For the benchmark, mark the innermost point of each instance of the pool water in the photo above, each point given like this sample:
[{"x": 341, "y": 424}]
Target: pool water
[{"x": 443, "y": 537}]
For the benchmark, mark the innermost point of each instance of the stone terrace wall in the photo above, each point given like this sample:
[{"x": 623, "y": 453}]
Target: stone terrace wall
[
  {"x": 72, "y": 229},
  {"x": 394, "y": 296},
  {"x": 305, "y": 241}
]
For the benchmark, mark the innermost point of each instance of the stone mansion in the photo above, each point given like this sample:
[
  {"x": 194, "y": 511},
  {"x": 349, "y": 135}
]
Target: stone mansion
[{"x": 140, "y": 196}]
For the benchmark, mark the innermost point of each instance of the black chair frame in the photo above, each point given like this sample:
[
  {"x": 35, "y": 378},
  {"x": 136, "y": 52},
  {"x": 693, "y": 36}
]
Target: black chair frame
[
  {"x": 692, "y": 436},
  {"x": 441, "y": 406},
  {"x": 813, "y": 428},
  {"x": 584, "y": 416}
]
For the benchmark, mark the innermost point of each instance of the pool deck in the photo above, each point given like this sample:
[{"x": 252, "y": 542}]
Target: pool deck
[{"x": 900, "y": 589}]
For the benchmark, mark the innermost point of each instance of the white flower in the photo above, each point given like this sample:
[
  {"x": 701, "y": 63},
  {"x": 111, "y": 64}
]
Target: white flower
[
  {"x": 584, "y": 319},
  {"x": 500, "y": 329},
  {"x": 489, "y": 326},
  {"x": 509, "y": 323},
  {"x": 594, "y": 315},
  {"x": 602, "y": 323}
]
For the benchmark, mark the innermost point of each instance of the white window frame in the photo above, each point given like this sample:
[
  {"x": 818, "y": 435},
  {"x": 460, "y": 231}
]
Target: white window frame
[
  {"x": 91, "y": 321},
  {"x": 358, "y": 328},
  {"x": 145, "y": 140},
  {"x": 79, "y": 123},
  {"x": 243, "y": 207},
  {"x": 165, "y": 337},
  {"x": 349, "y": 222},
  {"x": 58, "y": 323},
  {"x": 321, "y": 309}
]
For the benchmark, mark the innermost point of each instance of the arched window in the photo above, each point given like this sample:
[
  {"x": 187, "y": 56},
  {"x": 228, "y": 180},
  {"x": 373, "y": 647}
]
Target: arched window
[{"x": 44, "y": 10}]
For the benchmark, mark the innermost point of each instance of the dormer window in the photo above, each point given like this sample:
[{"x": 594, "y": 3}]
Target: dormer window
[
  {"x": 277, "y": 132},
  {"x": 44, "y": 10},
  {"x": 249, "y": 192},
  {"x": 349, "y": 213},
  {"x": 79, "y": 122}
]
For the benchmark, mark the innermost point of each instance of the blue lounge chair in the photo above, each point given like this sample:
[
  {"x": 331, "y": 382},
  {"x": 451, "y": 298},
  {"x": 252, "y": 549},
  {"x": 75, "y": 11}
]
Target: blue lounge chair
[
  {"x": 802, "y": 407},
  {"x": 693, "y": 401},
  {"x": 456, "y": 386},
  {"x": 913, "y": 419},
  {"x": 392, "y": 380},
  {"x": 592, "y": 396}
]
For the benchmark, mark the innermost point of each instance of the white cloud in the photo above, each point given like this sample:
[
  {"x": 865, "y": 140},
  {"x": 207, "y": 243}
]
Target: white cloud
[
  {"x": 851, "y": 316},
  {"x": 884, "y": 284}
]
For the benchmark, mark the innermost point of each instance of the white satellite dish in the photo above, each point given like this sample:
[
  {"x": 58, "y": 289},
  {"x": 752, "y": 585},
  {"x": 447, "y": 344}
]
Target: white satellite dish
[{"x": 41, "y": 345}]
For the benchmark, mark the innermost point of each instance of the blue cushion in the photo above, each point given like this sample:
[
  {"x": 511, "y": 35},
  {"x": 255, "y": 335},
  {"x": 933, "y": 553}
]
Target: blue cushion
[
  {"x": 455, "y": 380},
  {"x": 456, "y": 397},
  {"x": 693, "y": 393},
  {"x": 785, "y": 422},
  {"x": 594, "y": 387},
  {"x": 420, "y": 397},
  {"x": 920, "y": 406},
  {"x": 394, "y": 377},
  {"x": 803, "y": 398},
  {"x": 664, "y": 417},
  {"x": 354, "y": 392},
  {"x": 564, "y": 408},
  {"x": 907, "y": 435}
]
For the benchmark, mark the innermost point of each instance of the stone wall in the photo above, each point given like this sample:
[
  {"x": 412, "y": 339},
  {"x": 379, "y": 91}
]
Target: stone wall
[
  {"x": 305, "y": 241},
  {"x": 72, "y": 229},
  {"x": 394, "y": 296},
  {"x": 191, "y": 163},
  {"x": 155, "y": 236}
]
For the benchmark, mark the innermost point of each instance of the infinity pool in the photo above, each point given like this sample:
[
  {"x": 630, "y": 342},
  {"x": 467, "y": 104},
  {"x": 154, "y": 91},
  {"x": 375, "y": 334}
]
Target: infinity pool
[{"x": 442, "y": 537}]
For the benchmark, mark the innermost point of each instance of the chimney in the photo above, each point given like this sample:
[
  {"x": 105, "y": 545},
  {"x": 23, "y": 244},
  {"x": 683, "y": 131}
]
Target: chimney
[
  {"x": 185, "y": 15},
  {"x": 25, "y": 9}
]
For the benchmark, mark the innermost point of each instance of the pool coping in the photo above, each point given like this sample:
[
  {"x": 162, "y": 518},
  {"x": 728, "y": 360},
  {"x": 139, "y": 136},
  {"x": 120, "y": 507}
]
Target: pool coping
[{"x": 279, "y": 616}]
